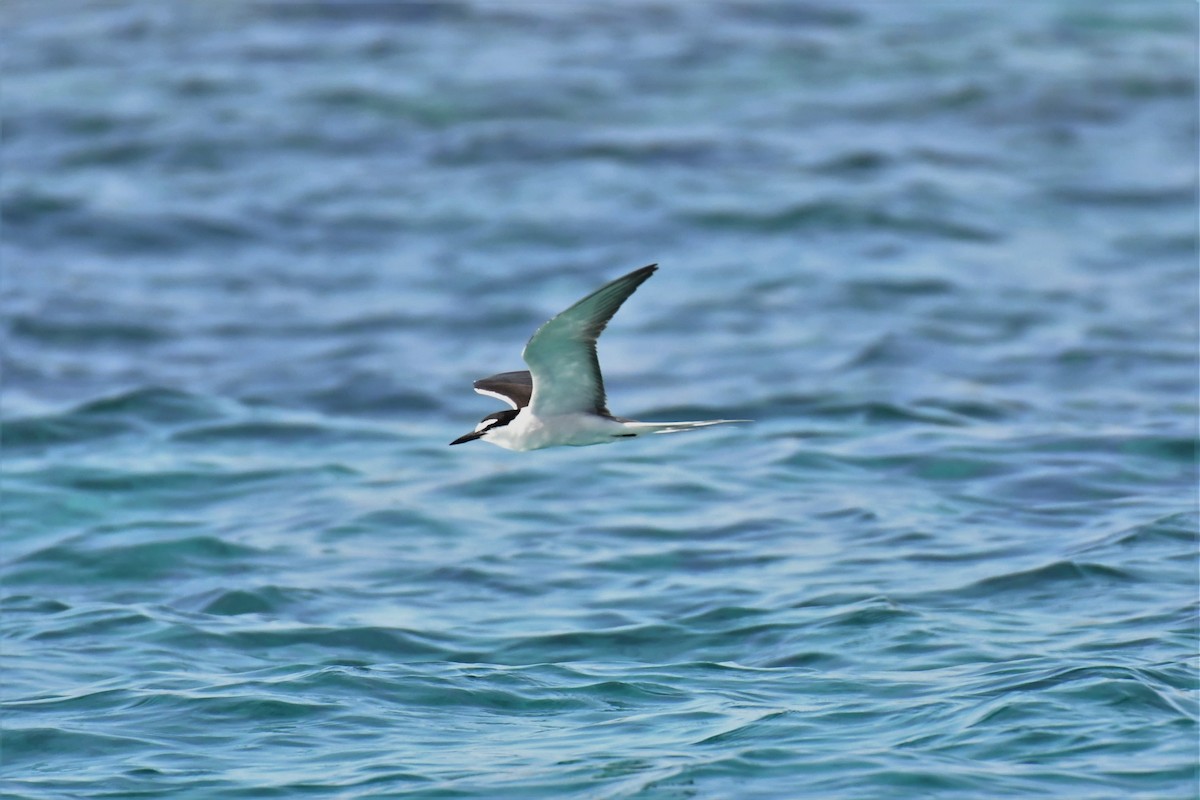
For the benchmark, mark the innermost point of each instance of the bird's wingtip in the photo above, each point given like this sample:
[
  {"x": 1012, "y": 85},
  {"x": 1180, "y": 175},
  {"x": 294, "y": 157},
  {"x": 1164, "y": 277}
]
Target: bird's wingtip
[{"x": 642, "y": 273}]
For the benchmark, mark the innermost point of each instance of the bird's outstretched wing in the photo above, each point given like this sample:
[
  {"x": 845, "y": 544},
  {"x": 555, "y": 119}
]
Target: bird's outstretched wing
[
  {"x": 562, "y": 353},
  {"x": 513, "y": 388}
]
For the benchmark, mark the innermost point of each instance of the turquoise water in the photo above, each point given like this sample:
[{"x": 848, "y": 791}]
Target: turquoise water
[{"x": 943, "y": 254}]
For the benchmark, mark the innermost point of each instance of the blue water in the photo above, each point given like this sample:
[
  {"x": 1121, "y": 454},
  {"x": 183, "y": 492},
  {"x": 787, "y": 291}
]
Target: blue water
[{"x": 944, "y": 254}]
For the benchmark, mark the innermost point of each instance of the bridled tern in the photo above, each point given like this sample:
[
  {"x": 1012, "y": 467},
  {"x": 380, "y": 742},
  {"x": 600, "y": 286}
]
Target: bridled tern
[{"x": 560, "y": 399}]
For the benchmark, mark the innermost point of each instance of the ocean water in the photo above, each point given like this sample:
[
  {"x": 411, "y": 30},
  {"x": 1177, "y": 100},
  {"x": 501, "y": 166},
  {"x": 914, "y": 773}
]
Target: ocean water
[{"x": 943, "y": 254}]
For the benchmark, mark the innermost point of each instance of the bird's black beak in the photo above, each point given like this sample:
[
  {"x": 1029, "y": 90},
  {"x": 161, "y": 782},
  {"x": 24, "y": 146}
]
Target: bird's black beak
[{"x": 467, "y": 438}]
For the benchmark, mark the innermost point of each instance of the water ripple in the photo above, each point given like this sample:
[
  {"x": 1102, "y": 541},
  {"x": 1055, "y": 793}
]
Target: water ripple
[{"x": 258, "y": 252}]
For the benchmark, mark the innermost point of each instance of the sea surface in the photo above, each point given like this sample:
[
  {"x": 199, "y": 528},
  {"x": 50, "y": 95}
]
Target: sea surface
[{"x": 944, "y": 254}]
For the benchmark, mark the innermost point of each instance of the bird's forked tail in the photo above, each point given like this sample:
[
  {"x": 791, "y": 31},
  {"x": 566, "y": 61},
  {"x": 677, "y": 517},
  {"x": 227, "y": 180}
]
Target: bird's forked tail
[{"x": 640, "y": 428}]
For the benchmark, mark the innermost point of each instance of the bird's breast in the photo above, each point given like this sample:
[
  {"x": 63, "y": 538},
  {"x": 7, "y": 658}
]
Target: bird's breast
[{"x": 530, "y": 431}]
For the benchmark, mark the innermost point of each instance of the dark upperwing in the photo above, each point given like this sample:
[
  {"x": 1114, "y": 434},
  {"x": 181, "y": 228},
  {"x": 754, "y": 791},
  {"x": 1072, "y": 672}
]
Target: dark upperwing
[{"x": 517, "y": 387}]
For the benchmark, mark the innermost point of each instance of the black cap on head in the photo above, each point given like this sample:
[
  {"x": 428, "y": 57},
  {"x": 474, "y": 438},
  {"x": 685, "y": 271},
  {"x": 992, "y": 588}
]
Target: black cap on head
[{"x": 488, "y": 423}]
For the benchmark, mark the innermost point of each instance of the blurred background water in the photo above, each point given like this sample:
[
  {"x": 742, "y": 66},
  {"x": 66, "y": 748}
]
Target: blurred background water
[{"x": 945, "y": 254}]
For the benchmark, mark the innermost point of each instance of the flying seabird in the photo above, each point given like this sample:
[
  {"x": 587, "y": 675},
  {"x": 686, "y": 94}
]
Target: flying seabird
[{"x": 560, "y": 399}]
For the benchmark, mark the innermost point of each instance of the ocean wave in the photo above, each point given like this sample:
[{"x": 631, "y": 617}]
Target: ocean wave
[
  {"x": 840, "y": 216},
  {"x": 259, "y": 251},
  {"x": 121, "y": 562},
  {"x": 1046, "y": 580}
]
